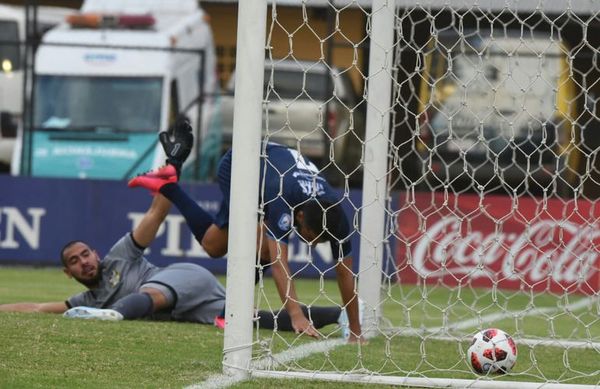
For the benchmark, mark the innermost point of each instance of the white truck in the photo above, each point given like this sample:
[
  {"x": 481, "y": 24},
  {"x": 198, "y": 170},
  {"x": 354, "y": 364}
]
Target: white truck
[
  {"x": 109, "y": 79},
  {"x": 496, "y": 112},
  {"x": 312, "y": 108},
  {"x": 12, "y": 37}
]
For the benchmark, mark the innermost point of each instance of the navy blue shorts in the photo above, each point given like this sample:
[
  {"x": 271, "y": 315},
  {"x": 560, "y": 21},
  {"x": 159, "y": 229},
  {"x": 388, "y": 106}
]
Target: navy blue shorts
[{"x": 224, "y": 180}]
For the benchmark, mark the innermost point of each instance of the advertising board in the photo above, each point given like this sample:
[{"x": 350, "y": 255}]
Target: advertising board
[
  {"x": 39, "y": 215},
  {"x": 516, "y": 243}
]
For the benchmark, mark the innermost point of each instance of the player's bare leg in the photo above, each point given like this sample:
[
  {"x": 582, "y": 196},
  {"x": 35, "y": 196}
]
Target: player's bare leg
[
  {"x": 346, "y": 284},
  {"x": 214, "y": 241}
]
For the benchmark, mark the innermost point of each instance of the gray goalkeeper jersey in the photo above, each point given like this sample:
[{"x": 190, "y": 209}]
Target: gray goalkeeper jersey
[{"x": 199, "y": 295}]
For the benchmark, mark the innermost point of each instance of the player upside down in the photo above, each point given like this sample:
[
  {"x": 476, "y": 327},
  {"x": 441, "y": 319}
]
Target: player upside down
[{"x": 295, "y": 198}]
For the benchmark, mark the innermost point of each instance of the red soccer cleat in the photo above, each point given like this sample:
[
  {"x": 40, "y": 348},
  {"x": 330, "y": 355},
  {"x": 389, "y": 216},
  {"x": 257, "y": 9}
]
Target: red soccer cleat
[
  {"x": 155, "y": 179},
  {"x": 219, "y": 322}
]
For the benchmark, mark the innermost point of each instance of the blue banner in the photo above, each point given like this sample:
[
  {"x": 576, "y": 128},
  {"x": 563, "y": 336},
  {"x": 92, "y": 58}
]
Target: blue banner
[{"x": 39, "y": 215}]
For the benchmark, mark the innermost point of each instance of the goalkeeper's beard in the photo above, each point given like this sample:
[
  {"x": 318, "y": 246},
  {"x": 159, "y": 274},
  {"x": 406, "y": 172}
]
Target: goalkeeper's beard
[{"x": 91, "y": 282}]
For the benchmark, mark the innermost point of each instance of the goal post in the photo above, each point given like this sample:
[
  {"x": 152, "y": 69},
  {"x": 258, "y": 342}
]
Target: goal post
[
  {"x": 475, "y": 137},
  {"x": 237, "y": 347},
  {"x": 374, "y": 189}
]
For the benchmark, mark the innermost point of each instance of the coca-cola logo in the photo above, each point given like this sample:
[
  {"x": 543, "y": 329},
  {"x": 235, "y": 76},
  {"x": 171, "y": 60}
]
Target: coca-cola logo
[{"x": 563, "y": 251}]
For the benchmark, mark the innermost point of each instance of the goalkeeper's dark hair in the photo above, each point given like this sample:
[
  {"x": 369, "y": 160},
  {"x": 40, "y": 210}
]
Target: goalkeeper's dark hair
[
  {"x": 65, "y": 247},
  {"x": 323, "y": 218}
]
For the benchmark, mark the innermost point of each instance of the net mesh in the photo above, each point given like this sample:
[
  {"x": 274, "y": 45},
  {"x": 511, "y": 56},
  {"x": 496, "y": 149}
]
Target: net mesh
[{"x": 492, "y": 178}]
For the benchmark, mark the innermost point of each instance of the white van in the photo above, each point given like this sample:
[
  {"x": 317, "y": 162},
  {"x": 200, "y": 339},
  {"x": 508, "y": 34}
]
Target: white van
[
  {"x": 496, "y": 114},
  {"x": 109, "y": 79},
  {"x": 12, "y": 35},
  {"x": 310, "y": 107}
]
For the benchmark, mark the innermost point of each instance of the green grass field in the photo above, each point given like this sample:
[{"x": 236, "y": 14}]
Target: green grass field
[{"x": 43, "y": 351}]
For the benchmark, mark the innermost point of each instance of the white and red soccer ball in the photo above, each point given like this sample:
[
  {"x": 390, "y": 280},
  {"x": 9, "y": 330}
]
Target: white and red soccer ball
[{"x": 492, "y": 351}]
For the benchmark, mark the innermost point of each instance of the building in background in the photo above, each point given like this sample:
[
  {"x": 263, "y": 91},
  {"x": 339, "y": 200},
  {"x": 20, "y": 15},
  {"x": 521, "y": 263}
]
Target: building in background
[{"x": 335, "y": 36}]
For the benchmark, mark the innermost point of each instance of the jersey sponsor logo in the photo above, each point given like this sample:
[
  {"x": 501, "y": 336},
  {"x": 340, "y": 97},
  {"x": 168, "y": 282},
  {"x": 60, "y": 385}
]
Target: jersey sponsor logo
[
  {"x": 307, "y": 175},
  {"x": 114, "y": 279},
  {"x": 285, "y": 222},
  {"x": 311, "y": 189}
]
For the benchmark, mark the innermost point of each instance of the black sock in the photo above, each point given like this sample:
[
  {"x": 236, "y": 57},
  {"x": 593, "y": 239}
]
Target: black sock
[
  {"x": 196, "y": 218},
  {"x": 320, "y": 316},
  {"x": 134, "y": 306}
]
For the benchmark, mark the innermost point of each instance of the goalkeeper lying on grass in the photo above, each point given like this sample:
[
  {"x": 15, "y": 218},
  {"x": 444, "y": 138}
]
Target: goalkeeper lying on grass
[{"x": 124, "y": 285}]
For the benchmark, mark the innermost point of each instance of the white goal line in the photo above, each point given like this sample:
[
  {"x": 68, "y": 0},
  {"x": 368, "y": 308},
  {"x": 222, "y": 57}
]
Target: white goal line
[
  {"x": 531, "y": 342},
  {"x": 585, "y": 302},
  {"x": 551, "y": 342},
  {"x": 271, "y": 362}
]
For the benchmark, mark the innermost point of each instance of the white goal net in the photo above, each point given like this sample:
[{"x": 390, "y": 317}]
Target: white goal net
[{"x": 467, "y": 167}]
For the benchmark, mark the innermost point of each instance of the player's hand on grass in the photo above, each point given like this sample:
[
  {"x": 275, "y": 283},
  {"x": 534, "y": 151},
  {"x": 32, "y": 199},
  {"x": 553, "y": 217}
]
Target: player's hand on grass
[
  {"x": 301, "y": 325},
  {"x": 177, "y": 142},
  {"x": 357, "y": 339}
]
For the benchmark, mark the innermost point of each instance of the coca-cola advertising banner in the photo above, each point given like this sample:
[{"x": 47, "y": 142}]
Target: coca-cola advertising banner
[{"x": 512, "y": 242}]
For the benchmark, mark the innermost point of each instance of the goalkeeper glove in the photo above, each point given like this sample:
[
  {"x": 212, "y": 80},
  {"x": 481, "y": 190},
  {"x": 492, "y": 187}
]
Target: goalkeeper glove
[{"x": 177, "y": 142}]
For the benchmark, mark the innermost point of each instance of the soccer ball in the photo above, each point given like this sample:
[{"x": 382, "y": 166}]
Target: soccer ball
[{"x": 492, "y": 351}]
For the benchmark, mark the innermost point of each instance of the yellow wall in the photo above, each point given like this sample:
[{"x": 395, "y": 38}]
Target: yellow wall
[{"x": 291, "y": 36}]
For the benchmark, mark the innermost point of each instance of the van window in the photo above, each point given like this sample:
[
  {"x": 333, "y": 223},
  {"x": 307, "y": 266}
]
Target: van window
[
  {"x": 93, "y": 103},
  {"x": 288, "y": 84},
  {"x": 9, "y": 53},
  {"x": 295, "y": 83}
]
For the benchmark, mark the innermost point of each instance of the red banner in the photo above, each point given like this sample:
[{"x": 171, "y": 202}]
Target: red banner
[{"x": 517, "y": 243}]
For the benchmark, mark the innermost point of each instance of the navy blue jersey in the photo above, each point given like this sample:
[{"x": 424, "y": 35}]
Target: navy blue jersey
[{"x": 289, "y": 180}]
